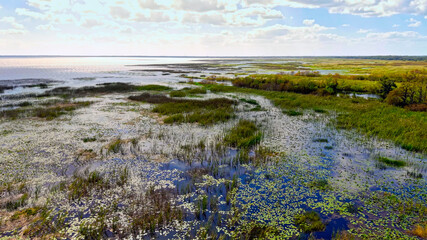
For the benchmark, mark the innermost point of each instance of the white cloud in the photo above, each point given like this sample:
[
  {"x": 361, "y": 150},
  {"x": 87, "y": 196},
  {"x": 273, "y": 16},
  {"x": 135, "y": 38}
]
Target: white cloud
[
  {"x": 281, "y": 32},
  {"x": 119, "y": 12},
  {"x": 308, "y": 22},
  {"x": 152, "y": 16},
  {"x": 395, "y": 25},
  {"x": 152, "y": 4},
  {"x": 91, "y": 22},
  {"x": 364, "y": 31},
  {"x": 365, "y": 8},
  {"x": 414, "y": 23},
  {"x": 205, "y": 5},
  {"x": 12, "y": 21},
  {"x": 210, "y": 27},
  {"x": 29, "y": 13},
  {"x": 17, "y": 28},
  {"x": 11, "y": 32},
  {"x": 396, "y": 35},
  {"x": 46, "y": 27}
]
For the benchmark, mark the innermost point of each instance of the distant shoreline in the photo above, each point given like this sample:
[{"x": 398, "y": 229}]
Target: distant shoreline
[{"x": 385, "y": 57}]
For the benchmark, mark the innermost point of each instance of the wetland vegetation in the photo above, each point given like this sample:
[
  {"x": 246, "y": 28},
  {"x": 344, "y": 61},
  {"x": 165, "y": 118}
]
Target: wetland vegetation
[{"x": 271, "y": 155}]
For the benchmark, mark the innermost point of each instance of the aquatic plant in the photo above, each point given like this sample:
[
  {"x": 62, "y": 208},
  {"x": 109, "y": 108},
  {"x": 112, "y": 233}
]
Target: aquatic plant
[
  {"x": 309, "y": 222},
  {"x": 321, "y": 184}
]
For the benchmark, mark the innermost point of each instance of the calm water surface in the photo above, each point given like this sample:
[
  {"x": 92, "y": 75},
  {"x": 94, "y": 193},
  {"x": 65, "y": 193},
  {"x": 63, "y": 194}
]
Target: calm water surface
[{"x": 81, "y": 71}]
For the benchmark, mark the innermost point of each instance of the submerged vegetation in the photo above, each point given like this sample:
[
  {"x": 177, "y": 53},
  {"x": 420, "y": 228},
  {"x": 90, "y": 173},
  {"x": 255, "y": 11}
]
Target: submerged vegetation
[{"x": 309, "y": 222}]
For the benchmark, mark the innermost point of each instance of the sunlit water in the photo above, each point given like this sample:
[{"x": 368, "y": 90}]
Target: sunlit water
[{"x": 81, "y": 71}]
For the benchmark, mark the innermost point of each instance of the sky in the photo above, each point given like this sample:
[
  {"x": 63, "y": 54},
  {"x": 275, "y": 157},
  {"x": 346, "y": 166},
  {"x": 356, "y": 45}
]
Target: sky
[{"x": 213, "y": 27}]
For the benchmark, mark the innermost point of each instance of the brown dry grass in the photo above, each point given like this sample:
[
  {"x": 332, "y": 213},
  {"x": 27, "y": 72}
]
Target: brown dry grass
[{"x": 420, "y": 231}]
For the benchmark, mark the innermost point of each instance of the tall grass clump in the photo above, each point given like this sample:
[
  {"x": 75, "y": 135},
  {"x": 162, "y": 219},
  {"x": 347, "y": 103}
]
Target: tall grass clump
[
  {"x": 82, "y": 185},
  {"x": 152, "y": 87},
  {"x": 244, "y": 135},
  {"x": 204, "y": 112},
  {"x": 391, "y": 162},
  {"x": 177, "y": 94},
  {"x": 48, "y": 112}
]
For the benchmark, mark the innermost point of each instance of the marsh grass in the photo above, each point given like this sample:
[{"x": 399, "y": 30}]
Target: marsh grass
[
  {"x": 51, "y": 110},
  {"x": 178, "y": 93},
  {"x": 190, "y": 92},
  {"x": 103, "y": 88},
  {"x": 244, "y": 135},
  {"x": 197, "y": 91},
  {"x": 152, "y": 87},
  {"x": 414, "y": 175},
  {"x": 292, "y": 113},
  {"x": 89, "y": 139},
  {"x": 152, "y": 210},
  {"x": 368, "y": 116},
  {"x": 43, "y": 224},
  {"x": 83, "y": 184},
  {"x": 25, "y": 213},
  {"x": 250, "y": 101},
  {"x": 321, "y": 140},
  {"x": 319, "y": 110},
  {"x": 15, "y": 203},
  {"x": 115, "y": 146},
  {"x": 204, "y": 112},
  {"x": 391, "y": 162}
]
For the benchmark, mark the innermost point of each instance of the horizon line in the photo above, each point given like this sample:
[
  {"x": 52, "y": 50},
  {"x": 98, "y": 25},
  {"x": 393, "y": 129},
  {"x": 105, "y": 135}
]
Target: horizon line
[{"x": 208, "y": 56}]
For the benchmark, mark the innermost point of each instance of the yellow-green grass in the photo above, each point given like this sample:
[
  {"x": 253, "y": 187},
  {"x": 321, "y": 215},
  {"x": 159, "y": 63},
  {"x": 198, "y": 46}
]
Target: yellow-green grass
[{"x": 371, "y": 117}]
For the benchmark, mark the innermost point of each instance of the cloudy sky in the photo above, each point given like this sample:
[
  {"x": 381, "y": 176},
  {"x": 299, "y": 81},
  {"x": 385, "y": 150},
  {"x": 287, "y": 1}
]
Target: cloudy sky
[{"x": 213, "y": 27}]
